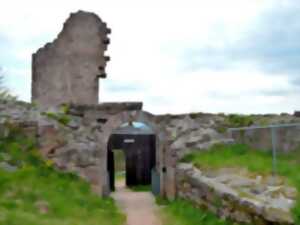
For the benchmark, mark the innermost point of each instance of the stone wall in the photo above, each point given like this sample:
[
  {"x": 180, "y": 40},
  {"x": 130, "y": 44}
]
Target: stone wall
[
  {"x": 73, "y": 140},
  {"x": 233, "y": 194},
  {"x": 80, "y": 145},
  {"x": 29, "y": 129},
  {"x": 183, "y": 134},
  {"x": 176, "y": 135},
  {"x": 67, "y": 70}
]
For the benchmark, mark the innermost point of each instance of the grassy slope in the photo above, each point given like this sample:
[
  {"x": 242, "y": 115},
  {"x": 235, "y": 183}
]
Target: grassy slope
[
  {"x": 241, "y": 156},
  {"x": 181, "y": 212},
  {"x": 237, "y": 155},
  {"x": 37, "y": 194}
]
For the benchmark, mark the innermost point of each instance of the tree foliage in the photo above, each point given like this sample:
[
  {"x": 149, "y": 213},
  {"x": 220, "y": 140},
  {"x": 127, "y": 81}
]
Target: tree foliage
[
  {"x": 1, "y": 79},
  {"x": 4, "y": 93}
]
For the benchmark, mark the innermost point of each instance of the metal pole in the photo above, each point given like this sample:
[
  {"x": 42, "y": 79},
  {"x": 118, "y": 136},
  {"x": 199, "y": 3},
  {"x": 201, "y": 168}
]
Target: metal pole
[{"x": 274, "y": 150}]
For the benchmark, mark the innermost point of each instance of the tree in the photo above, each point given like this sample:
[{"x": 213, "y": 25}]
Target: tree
[
  {"x": 4, "y": 93},
  {"x": 1, "y": 78}
]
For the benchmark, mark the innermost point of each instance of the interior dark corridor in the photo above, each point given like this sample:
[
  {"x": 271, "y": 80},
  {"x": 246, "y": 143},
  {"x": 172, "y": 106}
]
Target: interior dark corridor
[{"x": 138, "y": 144}]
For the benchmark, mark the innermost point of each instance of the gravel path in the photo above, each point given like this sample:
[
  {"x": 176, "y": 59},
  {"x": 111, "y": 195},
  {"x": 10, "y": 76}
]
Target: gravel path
[{"x": 139, "y": 207}]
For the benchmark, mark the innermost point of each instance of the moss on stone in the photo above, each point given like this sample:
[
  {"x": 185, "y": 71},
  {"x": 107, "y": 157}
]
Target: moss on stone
[{"x": 62, "y": 118}]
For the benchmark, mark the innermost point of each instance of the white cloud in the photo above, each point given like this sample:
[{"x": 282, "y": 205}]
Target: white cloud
[{"x": 147, "y": 38}]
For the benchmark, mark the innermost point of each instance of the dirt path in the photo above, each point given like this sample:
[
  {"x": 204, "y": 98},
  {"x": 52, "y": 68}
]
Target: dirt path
[{"x": 139, "y": 207}]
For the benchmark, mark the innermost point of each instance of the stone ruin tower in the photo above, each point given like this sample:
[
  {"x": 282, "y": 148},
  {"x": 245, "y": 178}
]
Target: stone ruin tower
[{"x": 68, "y": 69}]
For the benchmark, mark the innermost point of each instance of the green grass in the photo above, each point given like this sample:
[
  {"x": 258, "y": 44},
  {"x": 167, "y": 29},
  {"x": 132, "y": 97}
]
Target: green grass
[
  {"x": 66, "y": 199},
  {"x": 120, "y": 175},
  {"x": 239, "y": 155},
  {"x": 120, "y": 167},
  {"x": 181, "y": 212},
  {"x": 257, "y": 162},
  {"x": 119, "y": 157}
]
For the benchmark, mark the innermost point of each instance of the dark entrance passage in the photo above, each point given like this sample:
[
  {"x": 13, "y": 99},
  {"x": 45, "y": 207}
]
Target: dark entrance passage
[{"x": 138, "y": 143}]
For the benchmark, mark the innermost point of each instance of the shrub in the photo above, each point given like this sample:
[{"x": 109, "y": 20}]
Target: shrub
[
  {"x": 236, "y": 120},
  {"x": 4, "y": 93},
  {"x": 65, "y": 108},
  {"x": 62, "y": 118}
]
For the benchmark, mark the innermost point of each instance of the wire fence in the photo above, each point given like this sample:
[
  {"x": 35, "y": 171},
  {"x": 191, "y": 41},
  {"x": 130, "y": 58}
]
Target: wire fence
[{"x": 277, "y": 137}]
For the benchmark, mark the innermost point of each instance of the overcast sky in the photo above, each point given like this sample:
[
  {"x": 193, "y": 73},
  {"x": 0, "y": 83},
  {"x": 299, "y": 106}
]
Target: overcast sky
[{"x": 233, "y": 56}]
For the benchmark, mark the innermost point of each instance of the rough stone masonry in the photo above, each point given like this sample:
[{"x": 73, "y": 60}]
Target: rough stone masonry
[
  {"x": 233, "y": 193},
  {"x": 67, "y": 70}
]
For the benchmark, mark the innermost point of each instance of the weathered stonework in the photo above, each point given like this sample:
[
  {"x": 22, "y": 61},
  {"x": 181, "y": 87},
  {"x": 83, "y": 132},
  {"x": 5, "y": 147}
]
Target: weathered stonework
[
  {"x": 67, "y": 70},
  {"x": 76, "y": 140},
  {"x": 233, "y": 194},
  {"x": 81, "y": 144}
]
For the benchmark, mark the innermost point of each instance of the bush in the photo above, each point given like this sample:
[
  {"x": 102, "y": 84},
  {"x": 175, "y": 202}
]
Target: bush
[
  {"x": 236, "y": 120},
  {"x": 4, "y": 93}
]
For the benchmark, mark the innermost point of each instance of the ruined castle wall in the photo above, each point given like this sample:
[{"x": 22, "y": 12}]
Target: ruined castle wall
[
  {"x": 67, "y": 70},
  {"x": 80, "y": 145}
]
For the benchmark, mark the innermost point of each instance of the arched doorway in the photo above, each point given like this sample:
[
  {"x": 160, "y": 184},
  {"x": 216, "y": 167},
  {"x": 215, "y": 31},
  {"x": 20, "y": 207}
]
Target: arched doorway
[{"x": 138, "y": 141}]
